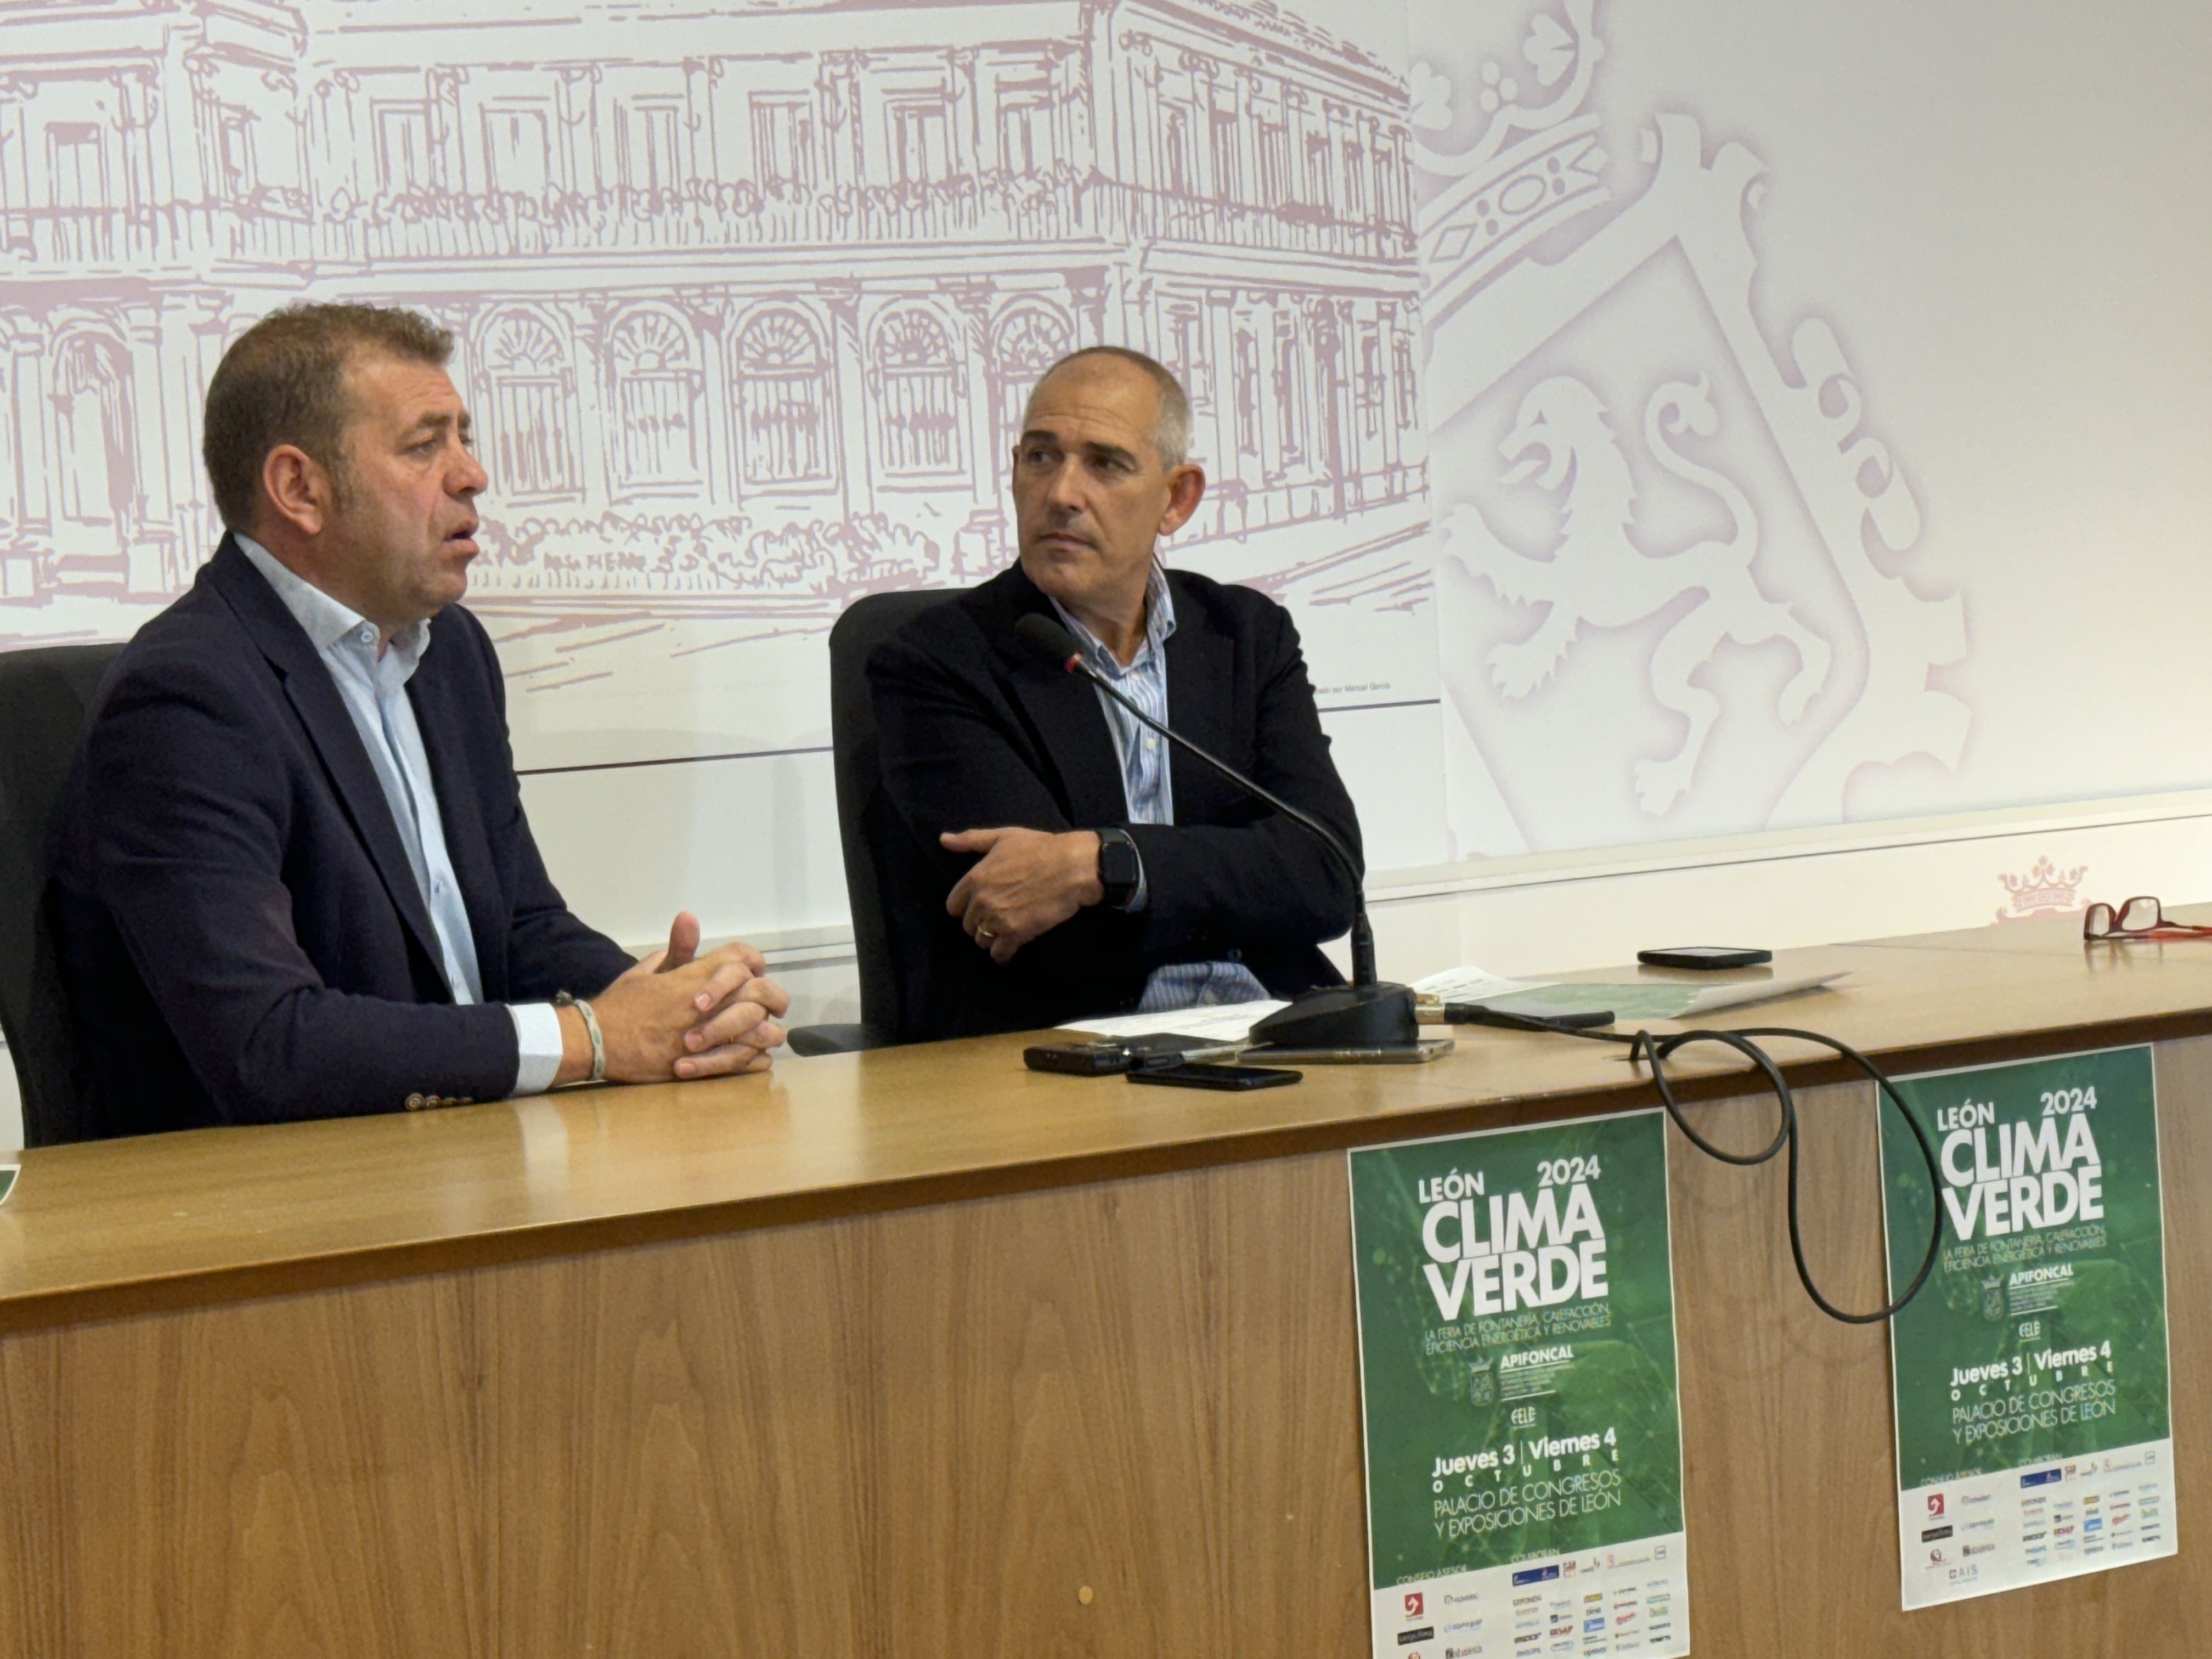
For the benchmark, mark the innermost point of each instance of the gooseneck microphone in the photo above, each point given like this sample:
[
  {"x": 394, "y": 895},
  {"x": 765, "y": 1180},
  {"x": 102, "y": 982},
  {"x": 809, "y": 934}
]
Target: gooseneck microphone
[{"x": 1369, "y": 1013}]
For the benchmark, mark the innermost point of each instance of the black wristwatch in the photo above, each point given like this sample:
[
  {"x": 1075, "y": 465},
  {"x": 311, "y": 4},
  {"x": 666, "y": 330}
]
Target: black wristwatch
[{"x": 1120, "y": 869}]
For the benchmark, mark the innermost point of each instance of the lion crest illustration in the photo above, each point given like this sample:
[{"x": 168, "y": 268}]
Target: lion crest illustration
[{"x": 1598, "y": 577}]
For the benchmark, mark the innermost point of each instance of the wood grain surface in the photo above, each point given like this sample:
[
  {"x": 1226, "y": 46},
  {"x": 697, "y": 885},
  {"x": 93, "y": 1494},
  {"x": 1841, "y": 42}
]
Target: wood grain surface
[
  {"x": 930, "y": 1431},
  {"x": 1112, "y": 1412},
  {"x": 114, "y": 1228}
]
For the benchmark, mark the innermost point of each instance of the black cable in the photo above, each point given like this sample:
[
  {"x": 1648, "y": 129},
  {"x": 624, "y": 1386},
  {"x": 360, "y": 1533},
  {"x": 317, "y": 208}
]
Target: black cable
[{"x": 1654, "y": 1051}]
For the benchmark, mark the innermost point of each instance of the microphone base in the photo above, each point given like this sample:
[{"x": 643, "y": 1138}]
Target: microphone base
[{"x": 1344, "y": 1016}]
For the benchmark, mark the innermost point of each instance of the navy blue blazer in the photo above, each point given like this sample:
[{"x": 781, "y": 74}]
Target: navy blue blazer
[
  {"x": 975, "y": 732},
  {"x": 239, "y": 935}
]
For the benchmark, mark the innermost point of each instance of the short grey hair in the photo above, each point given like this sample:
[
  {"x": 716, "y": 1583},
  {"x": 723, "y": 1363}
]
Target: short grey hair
[{"x": 1171, "y": 434}]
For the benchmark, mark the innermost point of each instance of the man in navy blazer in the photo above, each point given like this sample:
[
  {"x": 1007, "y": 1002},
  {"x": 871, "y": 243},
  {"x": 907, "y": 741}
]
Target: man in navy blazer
[
  {"x": 293, "y": 875},
  {"x": 1063, "y": 862}
]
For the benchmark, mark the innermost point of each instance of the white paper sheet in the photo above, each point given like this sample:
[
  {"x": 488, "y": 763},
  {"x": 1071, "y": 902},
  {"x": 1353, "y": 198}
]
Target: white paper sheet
[
  {"x": 1226, "y": 1022},
  {"x": 1471, "y": 985}
]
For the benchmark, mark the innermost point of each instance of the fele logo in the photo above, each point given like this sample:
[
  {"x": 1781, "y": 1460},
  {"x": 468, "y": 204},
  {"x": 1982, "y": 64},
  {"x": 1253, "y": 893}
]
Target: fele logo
[
  {"x": 1929, "y": 1535},
  {"x": 1412, "y": 1604}
]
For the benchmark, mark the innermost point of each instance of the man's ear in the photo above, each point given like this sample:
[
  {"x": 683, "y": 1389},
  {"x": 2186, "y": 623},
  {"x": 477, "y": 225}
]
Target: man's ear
[
  {"x": 295, "y": 488},
  {"x": 1186, "y": 488}
]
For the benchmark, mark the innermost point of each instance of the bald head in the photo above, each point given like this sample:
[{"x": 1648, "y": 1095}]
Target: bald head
[{"x": 1170, "y": 425}]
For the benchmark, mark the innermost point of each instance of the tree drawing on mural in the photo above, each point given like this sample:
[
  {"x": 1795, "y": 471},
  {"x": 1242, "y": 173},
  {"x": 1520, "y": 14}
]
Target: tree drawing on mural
[
  {"x": 1673, "y": 584},
  {"x": 747, "y": 296}
]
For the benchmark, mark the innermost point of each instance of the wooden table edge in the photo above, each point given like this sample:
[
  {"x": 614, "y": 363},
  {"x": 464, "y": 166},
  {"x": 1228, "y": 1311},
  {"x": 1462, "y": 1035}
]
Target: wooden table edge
[{"x": 403, "y": 1259}]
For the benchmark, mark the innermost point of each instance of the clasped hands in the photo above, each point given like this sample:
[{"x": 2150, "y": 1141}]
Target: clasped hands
[
  {"x": 678, "y": 1014},
  {"x": 1026, "y": 883}
]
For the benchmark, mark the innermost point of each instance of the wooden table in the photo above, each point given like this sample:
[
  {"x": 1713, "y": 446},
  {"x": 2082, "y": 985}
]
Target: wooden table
[{"x": 917, "y": 1352}]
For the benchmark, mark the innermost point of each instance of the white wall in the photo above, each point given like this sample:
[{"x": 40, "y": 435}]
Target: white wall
[{"x": 1934, "y": 273}]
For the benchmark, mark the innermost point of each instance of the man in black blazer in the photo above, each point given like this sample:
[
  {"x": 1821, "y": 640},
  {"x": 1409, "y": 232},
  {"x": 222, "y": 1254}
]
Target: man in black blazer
[
  {"x": 292, "y": 876},
  {"x": 1062, "y": 860}
]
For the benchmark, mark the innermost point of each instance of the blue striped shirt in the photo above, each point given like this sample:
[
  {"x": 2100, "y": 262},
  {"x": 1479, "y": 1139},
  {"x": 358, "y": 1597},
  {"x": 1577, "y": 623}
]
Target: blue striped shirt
[{"x": 1149, "y": 788}]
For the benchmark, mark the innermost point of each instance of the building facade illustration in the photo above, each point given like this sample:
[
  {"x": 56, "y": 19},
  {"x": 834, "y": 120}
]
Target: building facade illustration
[{"x": 747, "y": 299}]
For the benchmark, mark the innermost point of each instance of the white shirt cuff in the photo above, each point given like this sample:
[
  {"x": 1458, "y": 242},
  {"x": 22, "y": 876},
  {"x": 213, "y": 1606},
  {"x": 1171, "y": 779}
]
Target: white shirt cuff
[{"x": 537, "y": 1035}]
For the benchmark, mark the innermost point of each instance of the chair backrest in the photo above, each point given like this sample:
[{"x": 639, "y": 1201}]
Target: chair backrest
[
  {"x": 880, "y": 860},
  {"x": 44, "y": 695}
]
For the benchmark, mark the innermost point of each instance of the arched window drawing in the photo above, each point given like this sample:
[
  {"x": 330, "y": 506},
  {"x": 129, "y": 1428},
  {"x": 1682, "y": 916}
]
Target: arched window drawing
[
  {"x": 99, "y": 471},
  {"x": 783, "y": 400},
  {"x": 533, "y": 433},
  {"x": 918, "y": 391},
  {"x": 1028, "y": 340},
  {"x": 656, "y": 401}
]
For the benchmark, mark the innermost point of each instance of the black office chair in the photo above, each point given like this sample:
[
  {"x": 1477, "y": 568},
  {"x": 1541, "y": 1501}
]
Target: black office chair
[
  {"x": 882, "y": 870},
  {"x": 44, "y": 695}
]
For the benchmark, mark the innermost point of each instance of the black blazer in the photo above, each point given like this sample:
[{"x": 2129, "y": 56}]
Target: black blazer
[
  {"x": 239, "y": 933},
  {"x": 977, "y": 732}
]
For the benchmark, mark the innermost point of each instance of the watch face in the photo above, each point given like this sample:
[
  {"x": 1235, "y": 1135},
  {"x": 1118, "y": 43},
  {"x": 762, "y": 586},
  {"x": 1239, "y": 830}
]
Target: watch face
[{"x": 1117, "y": 863}]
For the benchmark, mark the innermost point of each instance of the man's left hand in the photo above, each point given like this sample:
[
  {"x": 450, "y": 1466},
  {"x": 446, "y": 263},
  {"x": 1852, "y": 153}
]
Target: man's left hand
[{"x": 1026, "y": 883}]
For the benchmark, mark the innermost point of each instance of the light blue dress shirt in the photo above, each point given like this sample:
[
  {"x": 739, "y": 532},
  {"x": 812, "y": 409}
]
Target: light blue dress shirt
[
  {"x": 372, "y": 685},
  {"x": 1150, "y": 789}
]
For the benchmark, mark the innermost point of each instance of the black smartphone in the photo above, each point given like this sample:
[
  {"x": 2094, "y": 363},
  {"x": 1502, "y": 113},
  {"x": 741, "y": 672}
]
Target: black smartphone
[
  {"x": 1115, "y": 1054},
  {"x": 1528, "y": 1016},
  {"x": 1218, "y": 1076},
  {"x": 1704, "y": 957},
  {"x": 1079, "y": 1059}
]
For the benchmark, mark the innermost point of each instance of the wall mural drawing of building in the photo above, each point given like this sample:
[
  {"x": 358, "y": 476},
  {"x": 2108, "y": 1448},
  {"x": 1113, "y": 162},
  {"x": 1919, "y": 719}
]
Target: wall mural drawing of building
[{"x": 747, "y": 299}]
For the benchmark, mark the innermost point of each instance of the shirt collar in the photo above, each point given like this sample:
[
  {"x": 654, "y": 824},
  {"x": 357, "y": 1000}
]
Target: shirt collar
[
  {"x": 1159, "y": 626},
  {"x": 327, "y": 622}
]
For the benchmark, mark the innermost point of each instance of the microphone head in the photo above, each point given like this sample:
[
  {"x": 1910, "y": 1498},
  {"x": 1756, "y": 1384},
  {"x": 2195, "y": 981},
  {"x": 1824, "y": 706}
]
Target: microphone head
[{"x": 1047, "y": 640}]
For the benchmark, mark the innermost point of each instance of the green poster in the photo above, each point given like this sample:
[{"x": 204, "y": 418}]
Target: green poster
[
  {"x": 2030, "y": 1373},
  {"x": 7, "y": 1180},
  {"x": 1524, "y": 1442}
]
